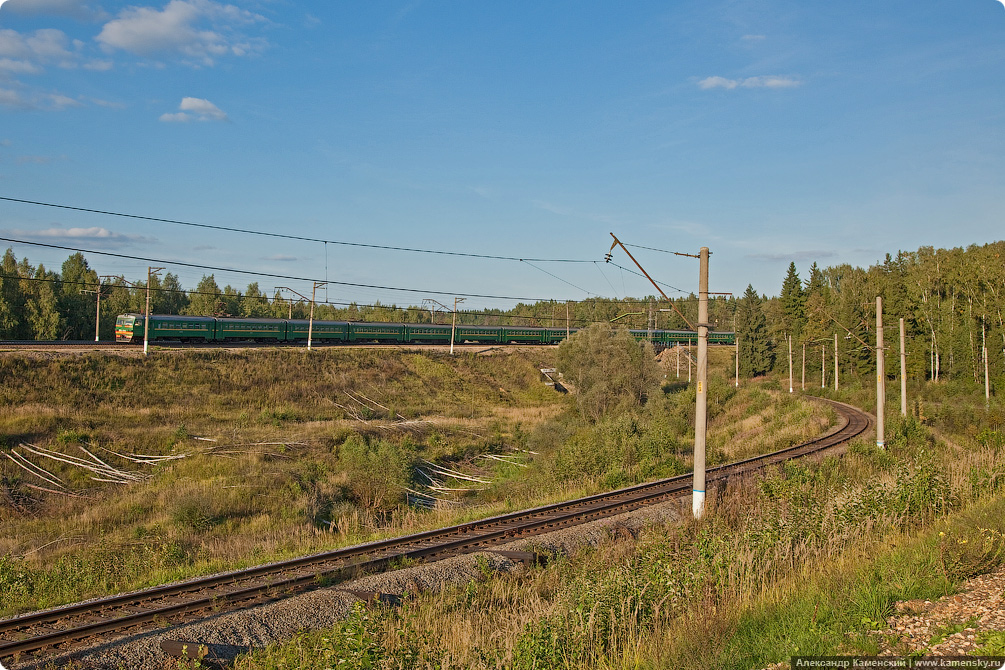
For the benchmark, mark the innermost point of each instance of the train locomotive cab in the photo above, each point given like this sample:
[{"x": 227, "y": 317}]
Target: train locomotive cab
[{"x": 129, "y": 328}]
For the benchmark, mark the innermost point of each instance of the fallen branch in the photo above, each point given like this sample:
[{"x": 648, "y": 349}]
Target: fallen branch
[
  {"x": 62, "y": 493},
  {"x": 440, "y": 470},
  {"x": 503, "y": 459},
  {"x": 47, "y": 544},
  {"x": 351, "y": 412},
  {"x": 220, "y": 452},
  {"x": 449, "y": 490},
  {"x": 110, "y": 481},
  {"x": 373, "y": 402},
  {"x": 121, "y": 476},
  {"x": 429, "y": 478},
  {"x": 426, "y": 495},
  {"x": 145, "y": 459},
  {"x": 55, "y": 481}
]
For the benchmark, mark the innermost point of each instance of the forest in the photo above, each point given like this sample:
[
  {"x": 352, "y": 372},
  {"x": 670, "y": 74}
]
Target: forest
[{"x": 951, "y": 301}]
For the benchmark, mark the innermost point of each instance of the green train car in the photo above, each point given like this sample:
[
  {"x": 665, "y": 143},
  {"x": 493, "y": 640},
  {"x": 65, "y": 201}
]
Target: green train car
[{"x": 129, "y": 328}]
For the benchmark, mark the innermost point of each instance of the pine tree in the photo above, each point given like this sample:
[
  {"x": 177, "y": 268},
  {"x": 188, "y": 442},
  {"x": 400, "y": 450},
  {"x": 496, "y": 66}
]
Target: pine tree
[
  {"x": 11, "y": 302},
  {"x": 204, "y": 300},
  {"x": 756, "y": 351},
  {"x": 793, "y": 303},
  {"x": 172, "y": 298},
  {"x": 76, "y": 308}
]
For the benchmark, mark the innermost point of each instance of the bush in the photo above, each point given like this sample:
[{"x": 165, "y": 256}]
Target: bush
[
  {"x": 378, "y": 471},
  {"x": 608, "y": 368}
]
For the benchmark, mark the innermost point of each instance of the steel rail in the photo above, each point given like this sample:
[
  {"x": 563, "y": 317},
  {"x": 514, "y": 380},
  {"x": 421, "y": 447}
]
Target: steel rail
[{"x": 321, "y": 569}]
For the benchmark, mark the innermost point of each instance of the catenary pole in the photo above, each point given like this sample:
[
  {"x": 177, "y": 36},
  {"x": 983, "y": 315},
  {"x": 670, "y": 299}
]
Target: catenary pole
[
  {"x": 453, "y": 325},
  {"x": 987, "y": 377},
  {"x": 97, "y": 315},
  {"x": 823, "y": 365},
  {"x": 146, "y": 317},
  {"x": 903, "y": 368},
  {"x": 310, "y": 320},
  {"x": 880, "y": 377},
  {"x": 835, "y": 361},
  {"x": 804, "y": 367},
  {"x": 789, "y": 338},
  {"x": 701, "y": 395},
  {"x": 736, "y": 344}
]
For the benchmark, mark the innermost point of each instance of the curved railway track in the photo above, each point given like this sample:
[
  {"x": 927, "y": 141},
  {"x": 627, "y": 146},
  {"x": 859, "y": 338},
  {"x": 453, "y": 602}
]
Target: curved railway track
[{"x": 85, "y": 623}]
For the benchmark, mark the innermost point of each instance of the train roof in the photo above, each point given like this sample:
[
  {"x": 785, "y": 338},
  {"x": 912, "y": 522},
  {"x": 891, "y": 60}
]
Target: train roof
[{"x": 171, "y": 317}]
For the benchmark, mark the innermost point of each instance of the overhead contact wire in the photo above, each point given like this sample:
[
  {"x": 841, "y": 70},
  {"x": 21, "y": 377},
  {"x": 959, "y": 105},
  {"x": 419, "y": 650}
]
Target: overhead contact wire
[
  {"x": 267, "y": 274},
  {"x": 558, "y": 278},
  {"x": 639, "y": 274},
  {"x": 286, "y": 236},
  {"x": 604, "y": 275}
]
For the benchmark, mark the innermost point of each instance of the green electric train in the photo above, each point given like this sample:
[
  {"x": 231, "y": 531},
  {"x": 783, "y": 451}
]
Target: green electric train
[{"x": 167, "y": 327}]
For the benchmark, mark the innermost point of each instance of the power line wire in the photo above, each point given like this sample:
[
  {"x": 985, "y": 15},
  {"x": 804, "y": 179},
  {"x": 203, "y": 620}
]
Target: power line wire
[
  {"x": 639, "y": 274},
  {"x": 291, "y": 237},
  {"x": 270, "y": 275},
  {"x": 600, "y": 268},
  {"x": 113, "y": 286},
  {"x": 559, "y": 278},
  {"x": 662, "y": 251}
]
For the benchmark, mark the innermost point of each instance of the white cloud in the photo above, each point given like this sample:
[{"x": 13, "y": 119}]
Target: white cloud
[
  {"x": 71, "y": 8},
  {"x": 9, "y": 98},
  {"x": 195, "y": 109},
  {"x": 200, "y": 31},
  {"x": 750, "y": 82},
  {"x": 45, "y": 45},
  {"x": 105, "y": 103},
  {"x": 282, "y": 257},
  {"x": 11, "y": 66},
  {"x": 35, "y": 100},
  {"x": 793, "y": 256},
  {"x": 91, "y": 233},
  {"x": 99, "y": 65},
  {"x": 96, "y": 236},
  {"x": 202, "y": 108},
  {"x": 717, "y": 82},
  {"x": 771, "y": 82}
]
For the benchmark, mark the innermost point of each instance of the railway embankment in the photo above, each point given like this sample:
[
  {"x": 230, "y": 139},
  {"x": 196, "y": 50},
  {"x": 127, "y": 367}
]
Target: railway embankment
[{"x": 804, "y": 558}]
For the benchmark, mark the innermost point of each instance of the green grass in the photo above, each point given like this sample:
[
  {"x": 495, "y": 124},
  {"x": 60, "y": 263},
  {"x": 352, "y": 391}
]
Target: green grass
[
  {"x": 291, "y": 472},
  {"x": 809, "y": 560}
]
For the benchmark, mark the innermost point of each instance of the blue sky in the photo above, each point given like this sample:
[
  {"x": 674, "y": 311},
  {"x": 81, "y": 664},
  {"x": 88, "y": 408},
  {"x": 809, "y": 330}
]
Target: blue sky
[{"x": 770, "y": 131}]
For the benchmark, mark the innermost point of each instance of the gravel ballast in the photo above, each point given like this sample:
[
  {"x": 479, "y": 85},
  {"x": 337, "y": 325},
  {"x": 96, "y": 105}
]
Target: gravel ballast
[{"x": 232, "y": 633}]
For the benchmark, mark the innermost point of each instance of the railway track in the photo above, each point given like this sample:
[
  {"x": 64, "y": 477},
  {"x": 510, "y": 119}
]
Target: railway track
[{"x": 83, "y": 624}]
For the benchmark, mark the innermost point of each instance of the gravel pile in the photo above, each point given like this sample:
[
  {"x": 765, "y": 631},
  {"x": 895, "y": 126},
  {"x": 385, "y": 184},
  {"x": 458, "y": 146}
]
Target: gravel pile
[
  {"x": 232, "y": 633},
  {"x": 940, "y": 628},
  {"x": 950, "y": 626}
]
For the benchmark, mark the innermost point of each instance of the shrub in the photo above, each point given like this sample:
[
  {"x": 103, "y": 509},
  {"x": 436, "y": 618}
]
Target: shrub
[
  {"x": 378, "y": 471},
  {"x": 608, "y": 368}
]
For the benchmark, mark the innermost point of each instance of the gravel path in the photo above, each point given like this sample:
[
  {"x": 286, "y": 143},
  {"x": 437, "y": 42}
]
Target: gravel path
[
  {"x": 235, "y": 632},
  {"x": 951, "y": 625}
]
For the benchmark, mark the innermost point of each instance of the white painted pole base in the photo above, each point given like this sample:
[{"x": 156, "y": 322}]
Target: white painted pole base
[{"x": 698, "y": 504}]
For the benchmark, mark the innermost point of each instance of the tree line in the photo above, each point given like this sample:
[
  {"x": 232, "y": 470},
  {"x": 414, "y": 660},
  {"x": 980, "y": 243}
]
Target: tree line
[
  {"x": 952, "y": 300},
  {"x": 39, "y": 304}
]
